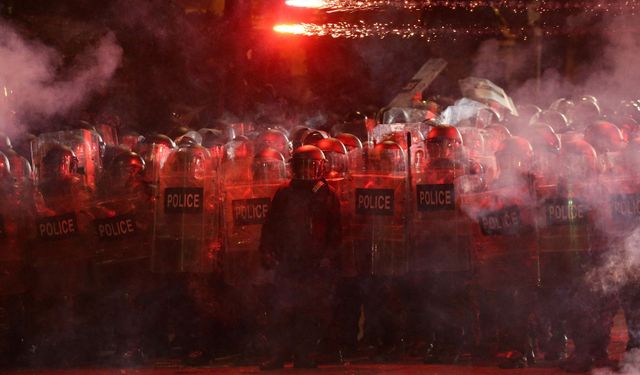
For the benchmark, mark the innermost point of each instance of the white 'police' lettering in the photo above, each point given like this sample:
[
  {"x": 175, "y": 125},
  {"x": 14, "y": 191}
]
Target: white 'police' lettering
[
  {"x": 626, "y": 205},
  {"x": 565, "y": 211},
  {"x": 437, "y": 197},
  {"x": 118, "y": 228},
  {"x": 183, "y": 200},
  {"x": 56, "y": 227},
  {"x": 374, "y": 201},
  {"x": 505, "y": 221},
  {"x": 250, "y": 211}
]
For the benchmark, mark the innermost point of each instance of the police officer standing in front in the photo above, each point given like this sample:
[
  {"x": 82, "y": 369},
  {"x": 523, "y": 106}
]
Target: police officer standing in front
[{"x": 300, "y": 242}]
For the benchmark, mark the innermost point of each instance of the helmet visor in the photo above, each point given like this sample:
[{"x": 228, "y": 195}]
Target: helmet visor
[{"x": 307, "y": 169}]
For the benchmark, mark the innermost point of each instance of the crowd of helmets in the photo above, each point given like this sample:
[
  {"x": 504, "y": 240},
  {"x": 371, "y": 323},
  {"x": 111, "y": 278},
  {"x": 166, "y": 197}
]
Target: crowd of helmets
[{"x": 500, "y": 238}]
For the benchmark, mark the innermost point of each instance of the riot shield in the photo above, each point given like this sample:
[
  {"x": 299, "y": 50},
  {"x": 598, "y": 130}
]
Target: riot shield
[
  {"x": 566, "y": 232},
  {"x": 377, "y": 231},
  {"x": 342, "y": 187},
  {"x": 618, "y": 217},
  {"x": 245, "y": 209},
  {"x": 14, "y": 216},
  {"x": 122, "y": 227},
  {"x": 154, "y": 150},
  {"x": 186, "y": 234},
  {"x": 441, "y": 230},
  {"x": 504, "y": 243},
  {"x": 84, "y": 143},
  {"x": 621, "y": 209},
  {"x": 476, "y": 148},
  {"x": 61, "y": 239}
]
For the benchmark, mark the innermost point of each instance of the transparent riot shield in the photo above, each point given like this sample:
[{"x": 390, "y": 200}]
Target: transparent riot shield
[
  {"x": 377, "y": 229},
  {"x": 476, "y": 148},
  {"x": 14, "y": 216},
  {"x": 84, "y": 143},
  {"x": 20, "y": 170},
  {"x": 61, "y": 243},
  {"x": 618, "y": 216},
  {"x": 377, "y": 211},
  {"x": 504, "y": 243},
  {"x": 566, "y": 232},
  {"x": 398, "y": 133},
  {"x": 122, "y": 228},
  {"x": 237, "y": 162},
  {"x": 342, "y": 187},
  {"x": 441, "y": 230},
  {"x": 245, "y": 210},
  {"x": 620, "y": 211},
  {"x": 186, "y": 234}
]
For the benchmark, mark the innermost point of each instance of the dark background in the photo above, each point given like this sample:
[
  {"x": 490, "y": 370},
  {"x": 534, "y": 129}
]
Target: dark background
[{"x": 192, "y": 62}]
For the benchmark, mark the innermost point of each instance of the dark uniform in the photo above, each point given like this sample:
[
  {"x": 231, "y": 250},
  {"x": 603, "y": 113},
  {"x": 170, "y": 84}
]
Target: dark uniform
[
  {"x": 300, "y": 241},
  {"x": 624, "y": 192},
  {"x": 61, "y": 284},
  {"x": 14, "y": 215},
  {"x": 123, "y": 220},
  {"x": 571, "y": 248},
  {"x": 505, "y": 255},
  {"x": 441, "y": 250},
  {"x": 245, "y": 207}
]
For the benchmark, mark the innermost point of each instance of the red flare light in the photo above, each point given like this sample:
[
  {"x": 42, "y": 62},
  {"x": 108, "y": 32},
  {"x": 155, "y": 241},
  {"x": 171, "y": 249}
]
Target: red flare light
[
  {"x": 296, "y": 29},
  {"x": 317, "y": 4}
]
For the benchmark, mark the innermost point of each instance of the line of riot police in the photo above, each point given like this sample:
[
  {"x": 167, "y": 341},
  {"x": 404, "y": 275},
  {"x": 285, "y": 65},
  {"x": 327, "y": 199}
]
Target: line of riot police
[{"x": 458, "y": 241}]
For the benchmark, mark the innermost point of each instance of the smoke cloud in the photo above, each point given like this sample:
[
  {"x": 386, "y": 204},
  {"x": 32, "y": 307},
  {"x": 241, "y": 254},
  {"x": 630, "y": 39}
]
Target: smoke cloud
[
  {"x": 603, "y": 56},
  {"x": 603, "y": 62},
  {"x": 34, "y": 83}
]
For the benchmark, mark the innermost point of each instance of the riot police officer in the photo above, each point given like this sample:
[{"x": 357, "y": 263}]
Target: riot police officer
[
  {"x": 623, "y": 190},
  {"x": 14, "y": 213},
  {"x": 504, "y": 254},
  {"x": 378, "y": 240},
  {"x": 20, "y": 166},
  {"x": 61, "y": 284},
  {"x": 186, "y": 252},
  {"x": 571, "y": 246},
  {"x": 245, "y": 207},
  {"x": 123, "y": 221},
  {"x": 440, "y": 257},
  {"x": 300, "y": 240}
]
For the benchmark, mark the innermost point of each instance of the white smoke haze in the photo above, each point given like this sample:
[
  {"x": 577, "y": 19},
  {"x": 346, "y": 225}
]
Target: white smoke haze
[
  {"x": 611, "y": 76},
  {"x": 617, "y": 76},
  {"x": 39, "y": 84},
  {"x": 620, "y": 266},
  {"x": 490, "y": 60},
  {"x": 629, "y": 365}
]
